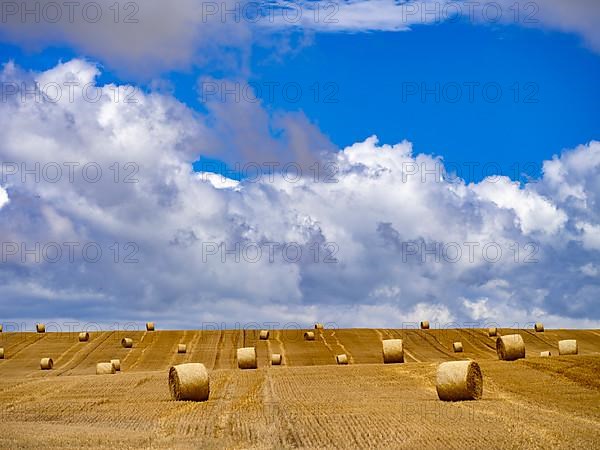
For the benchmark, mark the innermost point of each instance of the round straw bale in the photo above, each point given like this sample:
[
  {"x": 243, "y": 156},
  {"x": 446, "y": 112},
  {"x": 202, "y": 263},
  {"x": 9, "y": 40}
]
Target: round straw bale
[
  {"x": 84, "y": 337},
  {"x": 246, "y": 358},
  {"x": 545, "y": 353},
  {"x": 105, "y": 368},
  {"x": 117, "y": 364},
  {"x": 276, "y": 359},
  {"x": 539, "y": 327},
  {"x": 264, "y": 335},
  {"x": 341, "y": 359},
  {"x": 1, "y": 353},
  {"x": 309, "y": 336},
  {"x": 127, "y": 342},
  {"x": 46, "y": 363},
  {"x": 181, "y": 348},
  {"x": 189, "y": 382},
  {"x": 492, "y": 332},
  {"x": 459, "y": 380},
  {"x": 393, "y": 351},
  {"x": 425, "y": 325},
  {"x": 149, "y": 326},
  {"x": 0, "y": 328},
  {"x": 510, "y": 347},
  {"x": 40, "y": 327},
  {"x": 457, "y": 347},
  {"x": 319, "y": 326},
  {"x": 567, "y": 347}
]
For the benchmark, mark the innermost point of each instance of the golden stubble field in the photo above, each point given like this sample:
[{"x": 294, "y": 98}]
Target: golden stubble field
[{"x": 309, "y": 402}]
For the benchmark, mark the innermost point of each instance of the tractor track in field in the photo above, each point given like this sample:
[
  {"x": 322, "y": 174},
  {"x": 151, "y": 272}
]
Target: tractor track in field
[{"x": 86, "y": 351}]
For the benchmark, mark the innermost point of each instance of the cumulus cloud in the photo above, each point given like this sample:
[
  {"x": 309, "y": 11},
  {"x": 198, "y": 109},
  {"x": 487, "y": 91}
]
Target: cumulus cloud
[
  {"x": 370, "y": 242},
  {"x": 532, "y": 212}
]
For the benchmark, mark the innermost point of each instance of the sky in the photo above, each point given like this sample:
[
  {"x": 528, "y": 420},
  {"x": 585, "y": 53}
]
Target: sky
[{"x": 357, "y": 163}]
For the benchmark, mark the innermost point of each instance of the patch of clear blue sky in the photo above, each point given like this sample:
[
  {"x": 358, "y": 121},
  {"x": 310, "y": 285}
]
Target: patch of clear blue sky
[{"x": 372, "y": 83}]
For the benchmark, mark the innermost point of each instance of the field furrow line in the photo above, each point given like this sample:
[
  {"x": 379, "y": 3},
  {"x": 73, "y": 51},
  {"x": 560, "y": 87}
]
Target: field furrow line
[
  {"x": 87, "y": 349},
  {"x": 189, "y": 357},
  {"x": 340, "y": 345},
  {"x": 26, "y": 346},
  {"x": 539, "y": 337},
  {"x": 281, "y": 346},
  {"x": 218, "y": 350},
  {"x": 139, "y": 355},
  {"x": 482, "y": 341},
  {"x": 174, "y": 354}
]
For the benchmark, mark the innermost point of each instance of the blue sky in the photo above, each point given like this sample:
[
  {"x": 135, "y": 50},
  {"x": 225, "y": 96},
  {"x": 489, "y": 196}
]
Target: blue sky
[
  {"x": 372, "y": 70},
  {"x": 358, "y": 84}
]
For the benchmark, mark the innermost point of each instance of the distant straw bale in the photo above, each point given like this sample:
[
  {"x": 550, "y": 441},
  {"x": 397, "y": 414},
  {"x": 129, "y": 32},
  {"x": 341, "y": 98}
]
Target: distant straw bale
[
  {"x": 263, "y": 335},
  {"x": 189, "y": 382},
  {"x": 568, "y": 347},
  {"x": 510, "y": 347},
  {"x": 105, "y": 368},
  {"x": 341, "y": 359},
  {"x": 393, "y": 351},
  {"x": 46, "y": 364},
  {"x": 459, "y": 380},
  {"x": 246, "y": 358}
]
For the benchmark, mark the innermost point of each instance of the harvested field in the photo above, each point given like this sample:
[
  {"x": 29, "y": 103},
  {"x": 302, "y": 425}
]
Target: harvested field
[{"x": 310, "y": 402}]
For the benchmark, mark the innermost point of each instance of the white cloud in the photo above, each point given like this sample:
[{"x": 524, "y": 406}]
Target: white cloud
[
  {"x": 3, "y": 197},
  {"x": 218, "y": 181},
  {"x": 533, "y": 212},
  {"x": 372, "y": 242},
  {"x": 590, "y": 270},
  {"x": 359, "y": 15},
  {"x": 590, "y": 235},
  {"x": 574, "y": 16}
]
